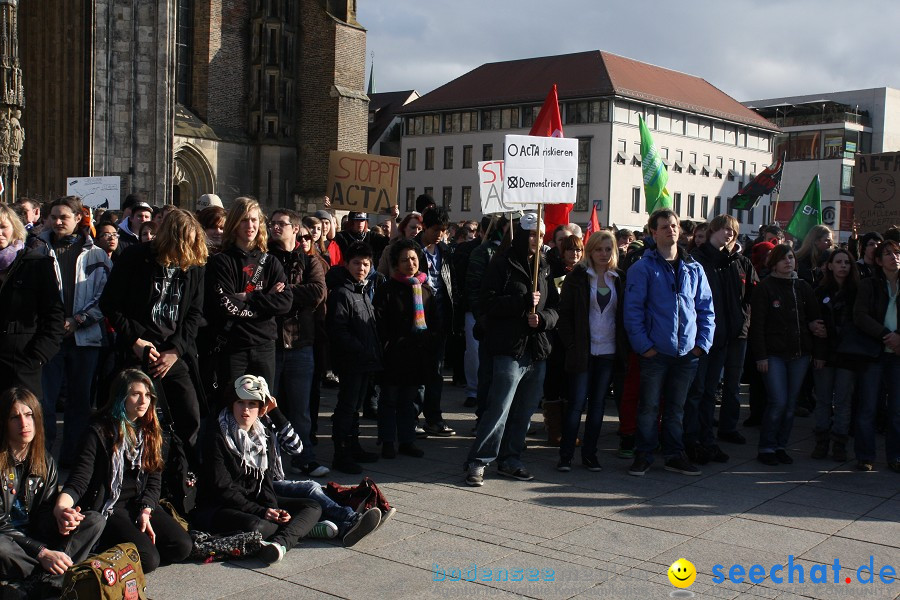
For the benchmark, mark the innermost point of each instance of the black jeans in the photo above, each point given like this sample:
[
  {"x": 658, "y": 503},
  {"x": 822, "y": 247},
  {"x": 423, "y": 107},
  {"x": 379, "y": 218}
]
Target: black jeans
[
  {"x": 304, "y": 513},
  {"x": 15, "y": 563},
  {"x": 173, "y": 544},
  {"x": 256, "y": 360},
  {"x": 352, "y": 392}
]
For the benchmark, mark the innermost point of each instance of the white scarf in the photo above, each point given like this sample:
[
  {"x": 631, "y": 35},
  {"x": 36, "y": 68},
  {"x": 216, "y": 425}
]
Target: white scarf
[
  {"x": 134, "y": 454},
  {"x": 249, "y": 446}
]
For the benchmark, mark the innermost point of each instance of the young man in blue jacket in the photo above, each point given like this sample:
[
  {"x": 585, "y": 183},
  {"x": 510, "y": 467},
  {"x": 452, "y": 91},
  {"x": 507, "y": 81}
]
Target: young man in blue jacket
[{"x": 670, "y": 322}]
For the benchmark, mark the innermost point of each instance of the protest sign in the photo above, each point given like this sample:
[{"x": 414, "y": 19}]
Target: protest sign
[
  {"x": 490, "y": 180},
  {"x": 876, "y": 203},
  {"x": 362, "y": 182},
  {"x": 95, "y": 191},
  {"x": 540, "y": 170}
]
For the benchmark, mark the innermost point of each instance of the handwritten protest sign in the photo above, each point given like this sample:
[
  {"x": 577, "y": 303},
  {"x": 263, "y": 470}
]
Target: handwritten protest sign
[
  {"x": 876, "y": 202},
  {"x": 362, "y": 182},
  {"x": 95, "y": 191},
  {"x": 490, "y": 179},
  {"x": 540, "y": 170}
]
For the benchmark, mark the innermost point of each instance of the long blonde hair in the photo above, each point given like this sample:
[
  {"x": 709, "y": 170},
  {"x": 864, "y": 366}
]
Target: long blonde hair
[
  {"x": 808, "y": 249},
  {"x": 9, "y": 215},
  {"x": 181, "y": 241},
  {"x": 240, "y": 209},
  {"x": 597, "y": 238}
]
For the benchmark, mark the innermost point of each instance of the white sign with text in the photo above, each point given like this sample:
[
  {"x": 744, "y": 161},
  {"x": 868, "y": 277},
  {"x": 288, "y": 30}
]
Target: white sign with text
[
  {"x": 540, "y": 170},
  {"x": 95, "y": 191}
]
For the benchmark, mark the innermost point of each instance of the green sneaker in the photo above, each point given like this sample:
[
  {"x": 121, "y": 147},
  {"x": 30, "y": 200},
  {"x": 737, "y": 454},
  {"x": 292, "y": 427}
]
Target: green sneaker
[{"x": 323, "y": 530}]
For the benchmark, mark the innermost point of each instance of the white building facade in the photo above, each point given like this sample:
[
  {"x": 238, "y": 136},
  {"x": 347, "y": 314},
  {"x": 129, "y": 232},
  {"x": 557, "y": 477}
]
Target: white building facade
[{"x": 709, "y": 142}]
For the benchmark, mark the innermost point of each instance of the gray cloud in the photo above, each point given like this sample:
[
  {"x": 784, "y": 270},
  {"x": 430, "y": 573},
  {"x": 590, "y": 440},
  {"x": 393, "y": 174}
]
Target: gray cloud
[{"x": 748, "y": 48}]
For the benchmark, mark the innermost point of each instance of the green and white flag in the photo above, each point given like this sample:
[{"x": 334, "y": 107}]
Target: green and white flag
[
  {"x": 655, "y": 175},
  {"x": 808, "y": 213}
]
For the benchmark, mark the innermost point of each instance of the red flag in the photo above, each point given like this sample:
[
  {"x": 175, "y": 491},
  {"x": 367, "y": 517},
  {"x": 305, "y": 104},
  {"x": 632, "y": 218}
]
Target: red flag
[
  {"x": 594, "y": 225},
  {"x": 549, "y": 124}
]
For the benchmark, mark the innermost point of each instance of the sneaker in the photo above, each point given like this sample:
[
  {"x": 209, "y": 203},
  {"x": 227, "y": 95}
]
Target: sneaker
[
  {"x": 520, "y": 473},
  {"x": 314, "y": 469},
  {"x": 470, "y": 402},
  {"x": 767, "y": 458},
  {"x": 715, "y": 454},
  {"x": 591, "y": 463},
  {"x": 681, "y": 464},
  {"x": 639, "y": 467},
  {"x": 387, "y": 515},
  {"x": 440, "y": 429},
  {"x": 783, "y": 457},
  {"x": 365, "y": 524},
  {"x": 323, "y": 530},
  {"x": 864, "y": 465},
  {"x": 475, "y": 475},
  {"x": 411, "y": 450},
  {"x": 421, "y": 433},
  {"x": 271, "y": 552},
  {"x": 732, "y": 437},
  {"x": 564, "y": 465},
  {"x": 626, "y": 446}
]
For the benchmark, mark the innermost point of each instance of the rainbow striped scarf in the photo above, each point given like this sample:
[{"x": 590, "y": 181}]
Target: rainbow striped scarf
[{"x": 415, "y": 282}]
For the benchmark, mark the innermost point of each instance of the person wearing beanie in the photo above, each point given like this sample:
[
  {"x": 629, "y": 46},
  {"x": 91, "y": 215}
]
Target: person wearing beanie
[{"x": 517, "y": 322}]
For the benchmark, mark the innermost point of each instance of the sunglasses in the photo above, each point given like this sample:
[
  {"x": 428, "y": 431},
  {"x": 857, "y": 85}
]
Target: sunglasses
[{"x": 306, "y": 237}]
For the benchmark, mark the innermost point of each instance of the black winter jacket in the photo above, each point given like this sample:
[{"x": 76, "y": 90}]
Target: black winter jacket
[
  {"x": 253, "y": 319},
  {"x": 506, "y": 299},
  {"x": 836, "y": 307},
  {"x": 306, "y": 279},
  {"x": 731, "y": 279},
  {"x": 782, "y": 311},
  {"x": 130, "y": 297},
  {"x": 40, "y": 497},
  {"x": 90, "y": 479},
  {"x": 408, "y": 354},
  {"x": 350, "y": 322},
  {"x": 871, "y": 306}
]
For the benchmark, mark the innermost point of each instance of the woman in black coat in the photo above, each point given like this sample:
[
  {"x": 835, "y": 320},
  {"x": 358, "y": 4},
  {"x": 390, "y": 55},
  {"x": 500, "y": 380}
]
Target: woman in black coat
[
  {"x": 31, "y": 311},
  {"x": 405, "y": 314}
]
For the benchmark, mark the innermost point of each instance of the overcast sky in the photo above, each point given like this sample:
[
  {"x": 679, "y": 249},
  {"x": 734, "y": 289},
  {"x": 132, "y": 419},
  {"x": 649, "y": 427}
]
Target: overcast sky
[{"x": 750, "y": 49}]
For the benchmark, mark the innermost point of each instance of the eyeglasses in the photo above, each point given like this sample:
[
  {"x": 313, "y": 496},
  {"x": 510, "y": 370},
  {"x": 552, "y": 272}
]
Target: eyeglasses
[
  {"x": 306, "y": 237},
  {"x": 109, "y": 236},
  {"x": 279, "y": 223}
]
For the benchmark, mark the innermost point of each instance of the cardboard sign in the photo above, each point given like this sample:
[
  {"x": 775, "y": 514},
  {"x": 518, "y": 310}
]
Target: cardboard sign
[
  {"x": 876, "y": 200},
  {"x": 490, "y": 180},
  {"x": 95, "y": 191},
  {"x": 540, "y": 170},
  {"x": 362, "y": 182}
]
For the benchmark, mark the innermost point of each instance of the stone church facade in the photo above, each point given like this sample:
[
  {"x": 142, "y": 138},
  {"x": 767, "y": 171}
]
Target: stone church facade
[{"x": 184, "y": 97}]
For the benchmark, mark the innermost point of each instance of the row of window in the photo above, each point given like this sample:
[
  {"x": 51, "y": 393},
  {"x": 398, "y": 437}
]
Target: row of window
[
  {"x": 446, "y": 199},
  {"x": 487, "y": 153},
  {"x": 690, "y": 210},
  {"x": 822, "y": 144},
  {"x": 591, "y": 111},
  {"x": 677, "y": 163}
]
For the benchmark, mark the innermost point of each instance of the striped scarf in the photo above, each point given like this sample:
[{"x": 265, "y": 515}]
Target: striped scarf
[{"x": 415, "y": 282}]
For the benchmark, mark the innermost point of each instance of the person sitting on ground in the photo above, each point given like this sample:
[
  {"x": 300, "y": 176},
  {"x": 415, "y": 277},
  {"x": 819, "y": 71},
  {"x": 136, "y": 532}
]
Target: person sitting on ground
[
  {"x": 118, "y": 474},
  {"x": 240, "y": 461},
  {"x": 28, "y": 534}
]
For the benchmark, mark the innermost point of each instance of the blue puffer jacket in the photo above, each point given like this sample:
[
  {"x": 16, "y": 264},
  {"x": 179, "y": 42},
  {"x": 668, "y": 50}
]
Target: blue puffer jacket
[{"x": 667, "y": 311}]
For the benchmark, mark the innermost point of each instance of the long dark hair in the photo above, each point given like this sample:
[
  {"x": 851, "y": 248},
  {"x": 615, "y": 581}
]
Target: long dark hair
[
  {"x": 114, "y": 411},
  {"x": 829, "y": 282},
  {"x": 37, "y": 455}
]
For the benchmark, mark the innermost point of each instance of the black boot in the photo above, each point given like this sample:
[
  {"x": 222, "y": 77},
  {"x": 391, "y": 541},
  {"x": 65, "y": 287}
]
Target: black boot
[
  {"x": 822, "y": 440},
  {"x": 343, "y": 459},
  {"x": 360, "y": 455}
]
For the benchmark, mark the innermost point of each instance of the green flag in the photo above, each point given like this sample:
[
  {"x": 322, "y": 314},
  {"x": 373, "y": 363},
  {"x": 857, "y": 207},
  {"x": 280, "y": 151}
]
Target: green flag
[
  {"x": 808, "y": 213},
  {"x": 655, "y": 175}
]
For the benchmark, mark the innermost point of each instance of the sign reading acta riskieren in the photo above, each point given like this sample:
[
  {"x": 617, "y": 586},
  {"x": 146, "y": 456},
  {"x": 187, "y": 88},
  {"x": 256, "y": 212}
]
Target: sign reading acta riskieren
[{"x": 540, "y": 170}]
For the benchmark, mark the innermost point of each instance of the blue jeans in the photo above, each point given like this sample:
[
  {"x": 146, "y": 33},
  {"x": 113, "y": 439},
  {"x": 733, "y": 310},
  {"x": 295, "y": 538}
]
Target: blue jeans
[
  {"x": 485, "y": 375},
  {"x": 669, "y": 376},
  {"x": 515, "y": 391},
  {"x": 783, "y": 382},
  {"x": 730, "y": 363},
  {"x": 76, "y": 366},
  {"x": 397, "y": 413},
  {"x": 834, "y": 393},
  {"x": 292, "y": 386},
  {"x": 587, "y": 388},
  {"x": 887, "y": 371},
  {"x": 342, "y": 516}
]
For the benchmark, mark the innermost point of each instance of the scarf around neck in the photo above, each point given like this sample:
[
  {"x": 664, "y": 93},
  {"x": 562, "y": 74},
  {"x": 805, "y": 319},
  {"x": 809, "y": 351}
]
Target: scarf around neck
[
  {"x": 415, "y": 282},
  {"x": 133, "y": 452},
  {"x": 249, "y": 446},
  {"x": 8, "y": 254}
]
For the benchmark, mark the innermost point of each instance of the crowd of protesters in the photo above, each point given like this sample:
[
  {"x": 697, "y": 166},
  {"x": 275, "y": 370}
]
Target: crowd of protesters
[{"x": 172, "y": 327}]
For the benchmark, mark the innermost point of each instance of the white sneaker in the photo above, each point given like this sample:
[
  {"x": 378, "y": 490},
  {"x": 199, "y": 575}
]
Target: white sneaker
[
  {"x": 271, "y": 553},
  {"x": 323, "y": 530}
]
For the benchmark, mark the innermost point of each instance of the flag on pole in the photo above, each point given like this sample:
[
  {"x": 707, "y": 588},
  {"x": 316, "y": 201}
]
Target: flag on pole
[
  {"x": 549, "y": 124},
  {"x": 808, "y": 213},
  {"x": 762, "y": 184},
  {"x": 593, "y": 225},
  {"x": 655, "y": 175}
]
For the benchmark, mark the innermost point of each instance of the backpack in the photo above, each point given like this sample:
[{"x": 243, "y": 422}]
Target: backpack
[
  {"x": 114, "y": 574},
  {"x": 360, "y": 497}
]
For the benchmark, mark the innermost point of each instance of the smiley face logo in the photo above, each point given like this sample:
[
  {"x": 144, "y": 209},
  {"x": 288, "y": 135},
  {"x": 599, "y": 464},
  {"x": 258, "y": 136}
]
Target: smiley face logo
[
  {"x": 682, "y": 573},
  {"x": 881, "y": 188}
]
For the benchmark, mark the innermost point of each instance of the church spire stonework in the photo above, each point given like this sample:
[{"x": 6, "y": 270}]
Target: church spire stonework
[{"x": 12, "y": 99}]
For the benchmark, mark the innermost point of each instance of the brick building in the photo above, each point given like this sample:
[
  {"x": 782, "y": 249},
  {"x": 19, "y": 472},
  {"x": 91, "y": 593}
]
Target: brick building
[{"x": 185, "y": 97}]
